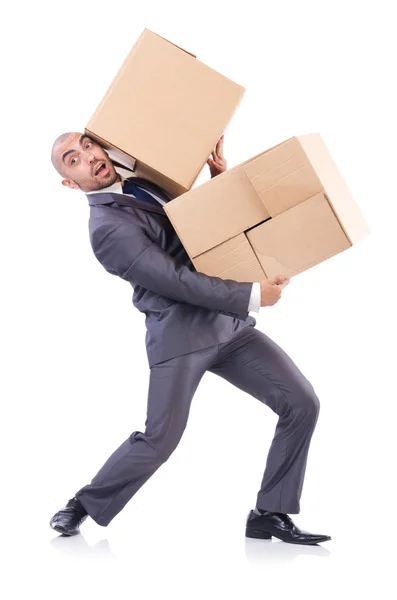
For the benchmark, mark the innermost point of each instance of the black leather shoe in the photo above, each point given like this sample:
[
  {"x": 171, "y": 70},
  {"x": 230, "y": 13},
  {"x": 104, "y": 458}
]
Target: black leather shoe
[
  {"x": 281, "y": 526},
  {"x": 68, "y": 520}
]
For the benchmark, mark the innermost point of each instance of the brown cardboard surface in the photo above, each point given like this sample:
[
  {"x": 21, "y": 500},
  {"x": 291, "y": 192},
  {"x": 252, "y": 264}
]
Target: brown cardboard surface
[
  {"x": 283, "y": 177},
  {"x": 216, "y": 211},
  {"x": 335, "y": 187},
  {"x": 166, "y": 109},
  {"x": 170, "y": 186},
  {"x": 233, "y": 259},
  {"x": 139, "y": 168},
  {"x": 299, "y": 238},
  {"x": 297, "y": 184}
]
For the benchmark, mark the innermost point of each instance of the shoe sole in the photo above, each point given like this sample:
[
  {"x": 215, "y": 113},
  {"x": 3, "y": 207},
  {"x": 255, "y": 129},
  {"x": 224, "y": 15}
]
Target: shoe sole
[
  {"x": 62, "y": 531},
  {"x": 264, "y": 535}
]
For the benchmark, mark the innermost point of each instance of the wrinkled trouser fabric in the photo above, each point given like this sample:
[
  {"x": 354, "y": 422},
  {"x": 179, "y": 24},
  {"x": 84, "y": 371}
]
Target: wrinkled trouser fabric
[{"x": 251, "y": 361}]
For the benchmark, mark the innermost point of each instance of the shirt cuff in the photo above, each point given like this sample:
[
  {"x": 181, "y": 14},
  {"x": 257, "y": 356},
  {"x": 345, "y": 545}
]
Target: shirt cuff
[{"x": 255, "y": 298}]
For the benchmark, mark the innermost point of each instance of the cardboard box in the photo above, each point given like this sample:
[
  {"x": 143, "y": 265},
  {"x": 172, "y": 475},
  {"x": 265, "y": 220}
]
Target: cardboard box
[
  {"x": 166, "y": 110},
  {"x": 283, "y": 211}
]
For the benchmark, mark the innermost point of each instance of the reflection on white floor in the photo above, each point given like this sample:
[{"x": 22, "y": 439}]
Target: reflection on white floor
[
  {"x": 257, "y": 551},
  {"x": 186, "y": 555},
  {"x": 77, "y": 545}
]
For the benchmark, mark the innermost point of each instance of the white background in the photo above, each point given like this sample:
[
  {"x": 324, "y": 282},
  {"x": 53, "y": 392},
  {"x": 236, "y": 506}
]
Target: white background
[{"x": 75, "y": 372}]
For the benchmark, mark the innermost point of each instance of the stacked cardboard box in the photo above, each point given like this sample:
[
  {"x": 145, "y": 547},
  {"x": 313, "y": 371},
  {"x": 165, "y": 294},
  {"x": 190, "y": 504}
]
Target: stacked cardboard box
[
  {"x": 165, "y": 110},
  {"x": 282, "y": 211}
]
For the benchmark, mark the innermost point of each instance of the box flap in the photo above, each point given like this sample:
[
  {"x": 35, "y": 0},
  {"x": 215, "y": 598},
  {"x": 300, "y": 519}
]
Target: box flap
[
  {"x": 233, "y": 259},
  {"x": 283, "y": 177},
  {"x": 215, "y": 211},
  {"x": 298, "y": 239}
]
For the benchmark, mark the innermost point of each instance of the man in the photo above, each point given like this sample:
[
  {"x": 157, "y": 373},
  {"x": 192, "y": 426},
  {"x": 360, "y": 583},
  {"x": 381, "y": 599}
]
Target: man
[{"x": 194, "y": 323}]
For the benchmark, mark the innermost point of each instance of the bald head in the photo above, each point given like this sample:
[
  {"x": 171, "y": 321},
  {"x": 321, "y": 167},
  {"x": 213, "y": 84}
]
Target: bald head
[
  {"x": 83, "y": 163},
  {"x": 55, "y": 154}
]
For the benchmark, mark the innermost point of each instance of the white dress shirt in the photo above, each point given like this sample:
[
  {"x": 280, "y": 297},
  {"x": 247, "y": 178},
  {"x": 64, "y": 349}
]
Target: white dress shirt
[{"x": 116, "y": 188}]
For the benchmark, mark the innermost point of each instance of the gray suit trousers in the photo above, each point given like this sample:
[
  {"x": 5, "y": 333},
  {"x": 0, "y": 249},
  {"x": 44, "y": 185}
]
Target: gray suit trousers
[{"x": 251, "y": 361}]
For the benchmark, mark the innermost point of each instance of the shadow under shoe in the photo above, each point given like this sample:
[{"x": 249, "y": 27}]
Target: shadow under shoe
[
  {"x": 68, "y": 520},
  {"x": 281, "y": 526}
]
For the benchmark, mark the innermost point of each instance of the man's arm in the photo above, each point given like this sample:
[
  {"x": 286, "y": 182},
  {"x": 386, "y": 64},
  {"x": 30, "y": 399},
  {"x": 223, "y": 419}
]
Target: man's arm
[{"x": 126, "y": 251}]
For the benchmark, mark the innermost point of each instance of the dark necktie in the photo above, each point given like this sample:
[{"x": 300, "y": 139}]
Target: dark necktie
[{"x": 131, "y": 188}]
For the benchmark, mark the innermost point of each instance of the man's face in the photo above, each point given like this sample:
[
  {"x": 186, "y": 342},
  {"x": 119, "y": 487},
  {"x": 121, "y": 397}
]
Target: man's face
[{"x": 84, "y": 164}]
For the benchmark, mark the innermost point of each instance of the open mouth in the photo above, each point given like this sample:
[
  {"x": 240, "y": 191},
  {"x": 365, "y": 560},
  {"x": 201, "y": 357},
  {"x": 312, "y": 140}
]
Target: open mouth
[{"x": 101, "y": 169}]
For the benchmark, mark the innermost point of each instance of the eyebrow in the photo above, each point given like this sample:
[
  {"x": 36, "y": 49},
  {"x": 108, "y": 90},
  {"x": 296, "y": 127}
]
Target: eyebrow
[{"x": 81, "y": 138}]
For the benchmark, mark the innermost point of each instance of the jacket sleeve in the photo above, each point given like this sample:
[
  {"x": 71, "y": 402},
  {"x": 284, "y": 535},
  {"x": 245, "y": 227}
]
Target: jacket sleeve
[{"x": 127, "y": 252}]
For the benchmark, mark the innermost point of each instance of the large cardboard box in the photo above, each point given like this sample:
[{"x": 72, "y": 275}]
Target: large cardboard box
[
  {"x": 164, "y": 112},
  {"x": 283, "y": 211}
]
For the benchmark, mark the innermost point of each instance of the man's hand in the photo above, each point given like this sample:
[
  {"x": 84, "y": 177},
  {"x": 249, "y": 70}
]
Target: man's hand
[
  {"x": 217, "y": 162},
  {"x": 271, "y": 289}
]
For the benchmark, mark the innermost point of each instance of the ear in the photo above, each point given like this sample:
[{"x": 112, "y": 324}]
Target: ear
[{"x": 70, "y": 184}]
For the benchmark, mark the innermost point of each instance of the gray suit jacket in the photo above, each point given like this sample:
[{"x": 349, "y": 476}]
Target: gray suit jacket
[{"x": 185, "y": 310}]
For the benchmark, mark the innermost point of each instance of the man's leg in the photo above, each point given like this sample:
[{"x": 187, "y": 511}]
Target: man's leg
[
  {"x": 254, "y": 363},
  {"x": 171, "y": 389}
]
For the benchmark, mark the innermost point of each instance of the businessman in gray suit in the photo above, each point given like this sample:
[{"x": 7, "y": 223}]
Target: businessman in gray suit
[{"x": 194, "y": 323}]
